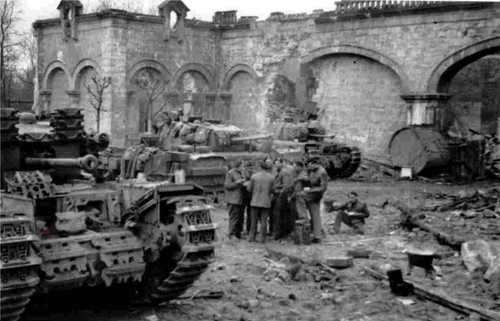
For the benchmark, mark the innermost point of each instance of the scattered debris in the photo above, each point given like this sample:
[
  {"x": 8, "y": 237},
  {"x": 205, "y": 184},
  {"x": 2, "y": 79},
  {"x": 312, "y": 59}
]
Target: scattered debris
[
  {"x": 443, "y": 299},
  {"x": 359, "y": 253},
  {"x": 479, "y": 200},
  {"x": 411, "y": 218},
  {"x": 479, "y": 255},
  {"x": 339, "y": 262},
  {"x": 375, "y": 170},
  {"x": 203, "y": 295},
  {"x": 406, "y": 301}
]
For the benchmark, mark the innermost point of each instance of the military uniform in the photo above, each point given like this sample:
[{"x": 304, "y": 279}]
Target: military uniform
[
  {"x": 309, "y": 200},
  {"x": 353, "y": 214},
  {"x": 261, "y": 188},
  {"x": 282, "y": 211},
  {"x": 234, "y": 198}
]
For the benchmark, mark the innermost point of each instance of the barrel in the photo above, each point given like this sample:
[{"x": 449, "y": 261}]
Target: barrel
[
  {"x": 88, "y": 162},
  {"x": 419, "y": 148}
]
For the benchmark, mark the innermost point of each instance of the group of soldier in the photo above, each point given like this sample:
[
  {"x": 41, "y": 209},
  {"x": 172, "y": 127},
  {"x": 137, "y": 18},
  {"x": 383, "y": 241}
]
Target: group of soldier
[{"x": 278, "y": 194}]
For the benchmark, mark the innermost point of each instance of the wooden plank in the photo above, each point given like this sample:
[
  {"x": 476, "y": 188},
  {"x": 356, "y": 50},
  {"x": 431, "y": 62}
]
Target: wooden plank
[{"x": 443, "y": 299}]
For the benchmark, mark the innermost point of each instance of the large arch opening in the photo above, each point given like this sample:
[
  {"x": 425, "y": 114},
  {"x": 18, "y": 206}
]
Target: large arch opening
[
  {"x": 471, "y": 76},
  {"x": 57, "y": 84},
  {"x": 245, "y": 107},
  {"x": 357, "y": 98},
  {"x": 83, "y": 83},
  {"x": 146, "y": 98},
  {"x": 475, "y": 97},
  {"x": 192, "y": 81}
]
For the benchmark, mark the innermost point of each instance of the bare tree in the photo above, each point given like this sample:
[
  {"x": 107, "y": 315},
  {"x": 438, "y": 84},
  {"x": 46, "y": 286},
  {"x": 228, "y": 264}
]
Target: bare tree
[
  {"x": 151, "y": 84},
  {"x": 96, "y": 85},
  {"x": 8, "y": 16},
  {"x": 27, "y": 53}
]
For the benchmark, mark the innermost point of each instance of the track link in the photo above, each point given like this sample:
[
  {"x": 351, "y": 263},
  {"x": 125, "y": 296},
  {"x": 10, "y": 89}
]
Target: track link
[
  {"x": 18, "y": 265},
  {"x": 197, "y": 253}
]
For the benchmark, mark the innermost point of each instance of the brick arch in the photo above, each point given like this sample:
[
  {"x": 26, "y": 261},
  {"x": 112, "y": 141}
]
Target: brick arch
[
  {"x": 203, "y": 70},
  {"x": 53, "y": 66},
  {"x": 85, "y": 63},
  {"x": 153, "y": 64},
  {"x": 363, "y": 52},
  {"x": 451, "y": 65},
  {"x": 233, "y": 71}
]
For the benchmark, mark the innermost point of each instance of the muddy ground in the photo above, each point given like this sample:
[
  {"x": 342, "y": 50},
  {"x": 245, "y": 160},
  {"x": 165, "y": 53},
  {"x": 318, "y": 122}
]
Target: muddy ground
[{"x": 244, "y": 271}]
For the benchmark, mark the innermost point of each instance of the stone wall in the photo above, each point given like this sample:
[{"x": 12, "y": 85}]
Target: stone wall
[
  {"x": 362, "y": 67},
  {"x": 358, "y": 71}
]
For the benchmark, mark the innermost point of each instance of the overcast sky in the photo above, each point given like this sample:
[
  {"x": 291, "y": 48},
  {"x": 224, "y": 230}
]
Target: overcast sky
[{"x": 201, "y": 9}]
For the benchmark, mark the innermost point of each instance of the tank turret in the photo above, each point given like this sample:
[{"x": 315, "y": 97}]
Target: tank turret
[
  {"x": 305, "y": 139},
  {"x": 63, "y": 230},
  {"x": 59, "y": 145}
]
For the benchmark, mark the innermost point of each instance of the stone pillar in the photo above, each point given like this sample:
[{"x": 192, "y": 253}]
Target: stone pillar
[
  {"x": 426, "y": 108},
  {"x": 45, "y": 105},
  {"x": 74, "y": 96}
]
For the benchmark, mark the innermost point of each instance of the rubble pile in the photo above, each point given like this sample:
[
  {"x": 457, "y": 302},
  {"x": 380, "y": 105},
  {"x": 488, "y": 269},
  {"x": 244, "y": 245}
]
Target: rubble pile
[
  {"x": 375, "y": 171},
  {"x": 492, "y": 156},
  {"x": 472, "y": 215}
]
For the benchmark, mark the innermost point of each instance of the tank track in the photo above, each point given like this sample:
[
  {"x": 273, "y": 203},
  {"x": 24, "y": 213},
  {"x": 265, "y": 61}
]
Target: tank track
[
  {"x": 196, "y": 253},
  {"x": 354, "y": 163},
  {"x": 18, "y": 265}
]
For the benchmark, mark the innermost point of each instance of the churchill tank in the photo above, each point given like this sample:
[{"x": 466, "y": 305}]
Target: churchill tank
[
  {"x": 201, "y": 150},
  {"x": 61, "y": 228},
  {"x": 304, "y": 140}
]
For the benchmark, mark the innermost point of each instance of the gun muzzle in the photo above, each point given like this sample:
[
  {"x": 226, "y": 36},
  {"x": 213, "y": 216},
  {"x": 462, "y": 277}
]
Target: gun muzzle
[{"x": 88, "y": 162}]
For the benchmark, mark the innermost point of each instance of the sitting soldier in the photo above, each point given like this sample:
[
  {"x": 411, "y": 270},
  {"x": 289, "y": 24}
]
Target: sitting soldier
[{"x": 352, "y": 213}]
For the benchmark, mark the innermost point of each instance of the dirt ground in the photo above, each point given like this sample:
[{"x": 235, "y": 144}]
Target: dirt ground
[{"x": 243, "y": 271}]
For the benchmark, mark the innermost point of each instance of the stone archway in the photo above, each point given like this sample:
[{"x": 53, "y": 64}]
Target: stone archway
[
  {"x": 447, "y": 68},
  {"x": 200, "y": 72},
  {"x": 363, "y": 52},
  {"x": 246, "y": 110},
  {"x": 226, "y": 82},
  {"x": 357, "y": 94},
  {"x": 147, "y": 84},
  {"x": 471, "y": 77},
  {"x": 81, "y": 66},
  {"x": 87, "y": 76},
  {"x": 55, "y": 85}
]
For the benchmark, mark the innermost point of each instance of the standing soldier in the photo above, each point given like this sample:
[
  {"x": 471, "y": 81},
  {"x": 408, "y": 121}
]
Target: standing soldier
[
  {"x": 261, "y": 189},
  {"x": 309, "y": 198},
  {"x": 234, "y": 198},
  {"x": 283, "y": 186},
  {"x": 246, "y": 173}
]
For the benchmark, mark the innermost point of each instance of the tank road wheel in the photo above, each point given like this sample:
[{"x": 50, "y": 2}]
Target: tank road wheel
[{"x": 190, "y": 253}]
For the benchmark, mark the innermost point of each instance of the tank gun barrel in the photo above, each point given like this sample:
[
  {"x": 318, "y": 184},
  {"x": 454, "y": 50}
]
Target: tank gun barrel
[
  {"x": 250, "y": 138},
  {"x": 88, "y": 162}
]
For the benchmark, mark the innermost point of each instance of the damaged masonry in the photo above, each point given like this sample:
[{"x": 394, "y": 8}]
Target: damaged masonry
[{"x": 342, "y": 164}]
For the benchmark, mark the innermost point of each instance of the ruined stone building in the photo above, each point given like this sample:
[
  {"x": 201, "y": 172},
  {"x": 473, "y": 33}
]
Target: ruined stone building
[{"x": 369, "y": 67}]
